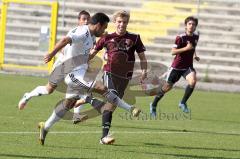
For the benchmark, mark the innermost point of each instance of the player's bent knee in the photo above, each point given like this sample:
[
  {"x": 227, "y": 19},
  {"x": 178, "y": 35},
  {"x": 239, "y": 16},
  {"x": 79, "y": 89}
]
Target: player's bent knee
[
  {"x": 192, "y": 82},
  {"x": 166, "y": 87},
  {"x": 69, "y": 103},
  {"x": 100, "y": 88},
  {"x": 50, "y": 88}
]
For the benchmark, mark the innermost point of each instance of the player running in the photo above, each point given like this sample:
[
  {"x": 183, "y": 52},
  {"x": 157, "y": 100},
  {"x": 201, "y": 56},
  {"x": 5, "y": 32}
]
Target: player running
[
  {"x": 120, "y": 49},
  {"x": 182, "y": 65}
]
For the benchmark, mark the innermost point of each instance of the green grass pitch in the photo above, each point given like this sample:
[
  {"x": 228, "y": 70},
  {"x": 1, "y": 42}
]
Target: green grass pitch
[{"x": 211, "y": 131}]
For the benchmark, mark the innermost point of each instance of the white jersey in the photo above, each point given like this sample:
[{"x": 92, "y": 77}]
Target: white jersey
[{"x": 82, "y": 42}]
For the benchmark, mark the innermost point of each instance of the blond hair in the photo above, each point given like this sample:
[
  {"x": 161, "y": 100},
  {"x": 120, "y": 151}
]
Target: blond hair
[{"x": 121, "y": 13}]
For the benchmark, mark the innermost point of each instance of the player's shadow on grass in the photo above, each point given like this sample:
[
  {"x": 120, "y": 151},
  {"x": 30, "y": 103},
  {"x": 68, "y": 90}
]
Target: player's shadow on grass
[
  {"x": 39, "y": 157},
  {"x": 191, "y": 148}
]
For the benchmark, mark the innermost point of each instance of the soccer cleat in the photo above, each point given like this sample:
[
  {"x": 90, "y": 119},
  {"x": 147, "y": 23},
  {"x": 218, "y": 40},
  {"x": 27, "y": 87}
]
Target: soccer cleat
[
  {"x": 107, "y": 140},
  {"x": 183, "y": 107},
  {"x": 135, "y": 111},
  {"x": 77, "y": 118},
  {"x": 42, "y": 133},
  {"x": 153, "y": 112},
  {"x": 23, "y": 102}
]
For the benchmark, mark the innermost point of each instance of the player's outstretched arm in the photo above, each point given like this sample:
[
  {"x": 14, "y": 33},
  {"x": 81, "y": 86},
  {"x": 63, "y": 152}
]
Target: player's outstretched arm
[{"x": 61, "y": 44}]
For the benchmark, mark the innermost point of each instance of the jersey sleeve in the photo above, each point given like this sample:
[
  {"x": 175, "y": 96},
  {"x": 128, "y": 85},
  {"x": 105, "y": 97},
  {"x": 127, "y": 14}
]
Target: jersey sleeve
[
  {"x": 77, "y": 36},
  {"x": 178, "y": 42},
  {"x": 139, "y": 45},
  {"x": 100, "y": 44}
]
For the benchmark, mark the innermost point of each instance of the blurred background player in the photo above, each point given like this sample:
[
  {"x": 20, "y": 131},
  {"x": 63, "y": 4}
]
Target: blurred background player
[
  {"x": 56, "y": 76},
  {"x": 182, "y": 65},
  {"x": 83, "y": 18},
  {"x": 120, "y": 48}
]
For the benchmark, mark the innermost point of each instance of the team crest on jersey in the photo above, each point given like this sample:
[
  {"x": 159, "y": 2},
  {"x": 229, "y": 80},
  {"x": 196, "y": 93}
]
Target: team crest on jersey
[
  {"x": 125, "y": 44},
  {"x": 129, "y": 43}
]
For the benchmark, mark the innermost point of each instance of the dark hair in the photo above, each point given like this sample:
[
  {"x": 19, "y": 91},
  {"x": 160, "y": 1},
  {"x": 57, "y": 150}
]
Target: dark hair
[
  {"x": 83, "y": 12},
  {"x": 99, "y": 18},
  {"x": 191, "y": 18}
]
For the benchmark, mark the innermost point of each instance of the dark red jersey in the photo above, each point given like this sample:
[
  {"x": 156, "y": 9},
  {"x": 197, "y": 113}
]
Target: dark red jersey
[
  {"x": 120, "y": 52},
  {"x": 184, "y": 60}
]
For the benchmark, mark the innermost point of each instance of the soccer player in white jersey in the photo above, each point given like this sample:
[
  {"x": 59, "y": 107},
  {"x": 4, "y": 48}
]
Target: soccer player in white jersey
[
  {"x": 81, "y": 41},
  {"x": 56, "y": 76}
]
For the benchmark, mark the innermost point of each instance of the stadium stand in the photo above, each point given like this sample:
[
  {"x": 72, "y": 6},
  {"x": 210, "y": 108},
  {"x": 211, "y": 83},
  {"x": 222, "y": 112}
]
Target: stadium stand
[{"x": 158, "y": 22}]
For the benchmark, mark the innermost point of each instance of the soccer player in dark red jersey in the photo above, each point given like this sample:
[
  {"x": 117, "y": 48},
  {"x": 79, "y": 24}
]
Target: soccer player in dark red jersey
[
  {"x": 182, "y": 65},
  {"x": 120, "y": 49}
]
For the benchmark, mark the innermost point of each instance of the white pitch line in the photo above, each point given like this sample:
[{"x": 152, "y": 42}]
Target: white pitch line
[
  {"x": 112, "y": 132},
  {"x": 98, "y": 132}
]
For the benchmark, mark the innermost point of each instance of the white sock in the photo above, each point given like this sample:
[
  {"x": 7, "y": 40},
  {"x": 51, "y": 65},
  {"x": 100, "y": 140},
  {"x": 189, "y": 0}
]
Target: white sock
[
  {"x": 38, "y": 91},
  {"x": 51, "y": 121},
  {"x": 57, "y": 114},
  {"x": 115, "y": 100},
  {"x": 78, "y": 109}
]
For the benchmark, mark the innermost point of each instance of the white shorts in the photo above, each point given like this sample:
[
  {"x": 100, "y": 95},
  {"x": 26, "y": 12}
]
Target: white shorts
[
  {"x": 78, "y": 83},
  {"x": 58, "y": 60},
  {"x": 58, "y": 73}
]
